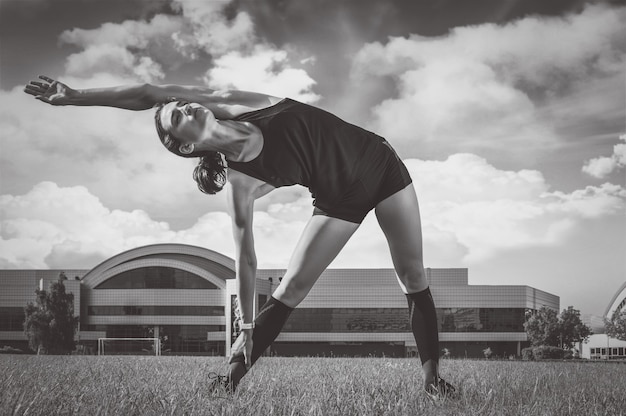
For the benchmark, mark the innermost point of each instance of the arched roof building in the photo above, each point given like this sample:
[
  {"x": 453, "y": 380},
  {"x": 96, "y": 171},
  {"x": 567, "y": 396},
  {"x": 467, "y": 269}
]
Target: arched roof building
[
  {"x": 617, "y": 303},
  {"x": 175, "y": 292},
  {"x": 208, "y": 264}
]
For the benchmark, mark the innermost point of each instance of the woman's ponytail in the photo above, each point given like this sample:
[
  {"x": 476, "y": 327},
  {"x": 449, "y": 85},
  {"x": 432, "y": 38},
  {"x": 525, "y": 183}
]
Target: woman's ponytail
[{"x": 210, "y": 174}]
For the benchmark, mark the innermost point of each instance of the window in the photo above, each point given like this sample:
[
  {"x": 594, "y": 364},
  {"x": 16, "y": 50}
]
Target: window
[
  {"x": 348, "y": 320},
  {"x": 156, "y": 278},
  {"x": 184, "y": 310},
  {"x": 12, "y": 319},
  {"x": 396, "y": 320}
]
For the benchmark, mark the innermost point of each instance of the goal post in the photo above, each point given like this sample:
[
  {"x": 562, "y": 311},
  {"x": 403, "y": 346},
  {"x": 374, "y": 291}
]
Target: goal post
[{"x": 129, "y": 346}]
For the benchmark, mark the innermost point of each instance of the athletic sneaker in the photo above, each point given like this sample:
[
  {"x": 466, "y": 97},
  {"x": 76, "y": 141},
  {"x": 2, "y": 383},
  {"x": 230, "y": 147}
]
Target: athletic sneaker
[
  {"x": 440, "y": 391},
  {"x": 220, "y": 384}
]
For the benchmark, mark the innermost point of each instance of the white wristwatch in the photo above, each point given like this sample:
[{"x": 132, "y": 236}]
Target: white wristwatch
[{"x": 247, "y": 326}]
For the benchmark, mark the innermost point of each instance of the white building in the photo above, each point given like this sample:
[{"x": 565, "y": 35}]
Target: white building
[
  {"x": 599, "y": 345},
  {"x": 184, "y": 295}
]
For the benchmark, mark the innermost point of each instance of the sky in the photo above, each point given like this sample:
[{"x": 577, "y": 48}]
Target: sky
[{"x": 509, "y": 114}]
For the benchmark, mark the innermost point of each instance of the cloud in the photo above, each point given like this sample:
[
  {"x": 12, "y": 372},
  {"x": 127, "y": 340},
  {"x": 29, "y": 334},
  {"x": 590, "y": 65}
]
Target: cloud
[
  {"x": 488, "y": 210},
  {"x": 489, "y": 88},
  {"x": 225, "y": 48},
  {"x": 113, "y": 59},
  {"x": 137, "y": 48},
  {"x": 114, "y": 153},
  {"x": 601, "y": 167},
  {"x": 264, "y": 70},
  {"x": 210, "y": 30},
  {"x": 70, "y": 226},
  {"x": 52, "y": 226},
  {"x": 467, "y": 220}
]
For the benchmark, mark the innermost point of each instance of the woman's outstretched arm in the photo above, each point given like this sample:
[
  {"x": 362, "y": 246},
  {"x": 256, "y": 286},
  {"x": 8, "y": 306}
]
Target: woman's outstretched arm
[
  {"x": 241, "y": 204},
  {"x": 224, "y": 104}
]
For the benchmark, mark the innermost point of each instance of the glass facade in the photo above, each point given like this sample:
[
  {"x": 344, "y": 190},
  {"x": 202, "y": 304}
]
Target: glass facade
[
  {"x": 396, "y": 320},
  {"x": 186, "y": 310},
  {"x": 481, "y": 319},
  {"x": 348, "y": 320},
  {"x": 156, "y": 278},
  {"x": 12, "y": 319}
]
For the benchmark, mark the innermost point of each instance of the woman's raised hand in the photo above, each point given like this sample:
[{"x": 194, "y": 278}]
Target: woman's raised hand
[{"x": 51, "y": 91}]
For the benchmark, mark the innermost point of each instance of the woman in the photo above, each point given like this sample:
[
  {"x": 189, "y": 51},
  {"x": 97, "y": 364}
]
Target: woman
[{"x": 267, "y": 143}]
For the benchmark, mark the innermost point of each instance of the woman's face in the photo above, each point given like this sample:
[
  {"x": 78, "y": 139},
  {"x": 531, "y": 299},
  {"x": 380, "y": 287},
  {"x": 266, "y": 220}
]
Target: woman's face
[{"x": 188, "y": 122}]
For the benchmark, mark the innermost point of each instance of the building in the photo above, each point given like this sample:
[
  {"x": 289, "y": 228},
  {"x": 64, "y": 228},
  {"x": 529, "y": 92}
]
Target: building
[
  {"x": 184, "y": 295},
  {"x": 600, "y": 346}
]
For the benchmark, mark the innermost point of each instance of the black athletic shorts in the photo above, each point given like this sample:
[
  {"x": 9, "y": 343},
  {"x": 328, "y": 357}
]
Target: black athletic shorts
[{"x": 381, "y": 175}]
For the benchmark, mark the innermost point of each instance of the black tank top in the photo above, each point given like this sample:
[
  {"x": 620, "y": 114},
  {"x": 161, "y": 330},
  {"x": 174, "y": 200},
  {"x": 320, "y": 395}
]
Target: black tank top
[{"x": 306, "y": 145}]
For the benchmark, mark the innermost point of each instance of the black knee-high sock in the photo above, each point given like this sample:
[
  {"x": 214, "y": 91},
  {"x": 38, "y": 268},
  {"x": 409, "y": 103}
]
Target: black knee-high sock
[
  {"x": 423, "y": 316},
  {"x": 267, "y": 325}
]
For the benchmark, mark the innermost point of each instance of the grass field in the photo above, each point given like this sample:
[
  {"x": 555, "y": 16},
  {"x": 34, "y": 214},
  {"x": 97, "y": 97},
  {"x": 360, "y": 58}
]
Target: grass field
[{"x": 140, "y": 385}]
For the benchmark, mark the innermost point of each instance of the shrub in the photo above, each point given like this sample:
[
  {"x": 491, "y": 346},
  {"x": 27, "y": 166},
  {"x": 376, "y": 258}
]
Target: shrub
[
  {"x": 446, "y": 353},
  {"x": 10, "y": 350},
  {"x": 544, "y": 352},
  {"x": 527, "y": 354},
  {"x": 487, "y": 352}
]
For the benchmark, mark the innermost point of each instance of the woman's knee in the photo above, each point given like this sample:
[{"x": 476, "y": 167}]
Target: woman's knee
[
  {"x": 413, "y": 277},
  {"x": 291, "y": 293}
]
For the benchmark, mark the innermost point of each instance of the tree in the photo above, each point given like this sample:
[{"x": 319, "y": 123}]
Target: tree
[
  {"x": 50, "y": 324},
  {"x": 542, "y": 327},
  {"x": 572, "y": 329},
  {"x": 616, "y": 326},
  {"x": 545, "y": 328}
]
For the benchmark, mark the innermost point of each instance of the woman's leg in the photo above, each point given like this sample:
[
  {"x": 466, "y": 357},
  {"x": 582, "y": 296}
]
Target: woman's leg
[
  {"x": 399, "y": 218},
  {"x": 322, "y": 239}
]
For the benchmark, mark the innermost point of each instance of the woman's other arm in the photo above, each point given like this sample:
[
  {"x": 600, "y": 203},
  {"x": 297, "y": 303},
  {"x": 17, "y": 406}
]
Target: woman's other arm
[{"x": 241, "y": 205}]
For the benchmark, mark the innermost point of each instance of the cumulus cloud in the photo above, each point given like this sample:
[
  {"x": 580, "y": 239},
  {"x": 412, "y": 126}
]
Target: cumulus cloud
[
  {"x": 113, "y": 59},
  {"x": 70, "y": 225},
  {"x": 467, "y": 219},
  {"x": 114, "y": 153},
  {"x": 210, "y": 30},
  {"x": 492, "y": 87},
  {"x": 52, "y": 226},
  {"x": 601, "y": 167},
  {"x": 131, "y": 48},
  {"x": 224, "y": 47},
  {"x": 264, "y": 70},
  {"x": 488, "y": 210}
]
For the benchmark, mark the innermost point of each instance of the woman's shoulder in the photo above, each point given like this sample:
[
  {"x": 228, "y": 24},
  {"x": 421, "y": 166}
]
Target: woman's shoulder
[{"x": 241, "y": 102}]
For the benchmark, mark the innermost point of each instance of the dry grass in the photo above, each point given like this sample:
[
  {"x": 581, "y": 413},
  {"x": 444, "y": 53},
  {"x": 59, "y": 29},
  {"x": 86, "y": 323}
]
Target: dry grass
[{"x": 140, "y": 385}]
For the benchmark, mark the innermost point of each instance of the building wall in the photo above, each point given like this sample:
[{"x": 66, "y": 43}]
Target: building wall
[
  {"x": 358, "y": 310},
  {"x": 371, "y": 292},
  {"x": 601, "y": 347}
]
